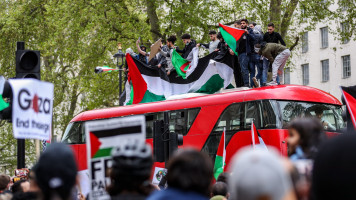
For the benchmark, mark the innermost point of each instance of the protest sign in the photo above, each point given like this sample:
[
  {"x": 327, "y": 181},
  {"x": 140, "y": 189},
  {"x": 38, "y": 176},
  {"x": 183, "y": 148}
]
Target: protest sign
[
  {"x": 158, "y": 174},
  {"x": 32, "y": 108},
  {"x": 102, "y": 136},
  {"x": 154, "y": 49}
]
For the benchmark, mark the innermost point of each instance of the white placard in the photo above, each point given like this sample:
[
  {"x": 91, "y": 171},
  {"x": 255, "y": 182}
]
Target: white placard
[
  {"x": 158, "y": 174},
  {"x": 32, "y": 107},
  {"x": 103, "y": 136}
]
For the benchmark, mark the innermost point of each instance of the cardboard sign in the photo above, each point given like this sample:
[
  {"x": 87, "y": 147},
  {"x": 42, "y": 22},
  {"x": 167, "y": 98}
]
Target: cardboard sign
[
  {"x": 158, "y": 174},
  {"x": 154, "y": 49},
  {"x": 32, "y": 107},
  {"x": 103, "y": 136}
]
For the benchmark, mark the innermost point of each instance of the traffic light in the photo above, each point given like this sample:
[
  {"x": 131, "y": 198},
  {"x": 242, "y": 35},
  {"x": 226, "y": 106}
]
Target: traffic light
[
  {"x": 28, "y": 62},
  {"x": 158, "y": 144},
  {"x": 5, "y": 99}
]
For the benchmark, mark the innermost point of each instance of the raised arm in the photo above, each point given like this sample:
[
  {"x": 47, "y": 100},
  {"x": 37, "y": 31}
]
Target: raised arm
[{"x": 139, "y": 49}]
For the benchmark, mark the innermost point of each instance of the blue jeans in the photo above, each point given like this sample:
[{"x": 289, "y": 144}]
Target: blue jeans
[
  {"x": 255, "y": 62},
  {"x": 244, "y": 60},
  {"x": 265, "y": 71}
]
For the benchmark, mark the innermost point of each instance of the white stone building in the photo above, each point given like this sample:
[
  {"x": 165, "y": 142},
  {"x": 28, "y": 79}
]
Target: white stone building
[{"x": 323, "y": 61}]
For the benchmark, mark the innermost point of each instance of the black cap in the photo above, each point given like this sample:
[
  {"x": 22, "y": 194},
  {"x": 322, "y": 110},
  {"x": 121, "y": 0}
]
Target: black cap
[{"x": 56, "y": 171}]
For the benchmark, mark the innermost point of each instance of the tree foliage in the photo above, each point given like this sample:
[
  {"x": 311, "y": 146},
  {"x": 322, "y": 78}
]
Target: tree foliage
[{"x": 75, "y": 37}]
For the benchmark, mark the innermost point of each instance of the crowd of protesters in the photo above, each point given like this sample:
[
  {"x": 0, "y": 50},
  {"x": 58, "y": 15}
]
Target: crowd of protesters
[
  {"x": 257, "y": 53},
  {"x": 316, "y": 168}
]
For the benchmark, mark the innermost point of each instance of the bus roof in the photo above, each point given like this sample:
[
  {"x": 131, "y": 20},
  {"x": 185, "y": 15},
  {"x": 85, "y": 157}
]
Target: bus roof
[{"x": 281, "y": 92}]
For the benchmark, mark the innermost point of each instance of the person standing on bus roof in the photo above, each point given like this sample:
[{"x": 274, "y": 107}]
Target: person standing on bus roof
[
  {"x": 189, "y": 45},
  {"x": 276, "y": 54}
]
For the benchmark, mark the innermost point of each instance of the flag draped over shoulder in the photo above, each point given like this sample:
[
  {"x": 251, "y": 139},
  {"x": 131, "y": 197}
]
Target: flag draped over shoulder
[
  {"x": 231, "y": 35},
  {"x": 220, "y": 157},
  {"x": 184, "y": 67},
  {"x": 205, "y": 75},
  {"x": 349, "y": 94}
]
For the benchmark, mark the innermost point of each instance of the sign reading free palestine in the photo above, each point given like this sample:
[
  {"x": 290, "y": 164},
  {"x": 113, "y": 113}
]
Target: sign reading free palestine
[{"x": 102, "y": 137}]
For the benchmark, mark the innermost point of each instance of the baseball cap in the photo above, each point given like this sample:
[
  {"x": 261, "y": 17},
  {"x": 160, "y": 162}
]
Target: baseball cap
[{"x": 56, "y": 171}]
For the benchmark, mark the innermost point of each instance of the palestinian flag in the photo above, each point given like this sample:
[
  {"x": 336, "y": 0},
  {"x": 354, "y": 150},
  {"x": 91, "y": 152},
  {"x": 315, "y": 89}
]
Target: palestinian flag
[
  {"x": 183, "y": 66},
  {"x": 349, "y": 94},
  {"x": 145, "y": 84},
  {"x": 104, "y": 69},
  {"x": 220, "y": 157},
  {"x": 149, "y": 84},
  {"x": 257, "y": 141},
  {"x": 231, "y": 35},
  {"x": 102, "y": 141},
  {"x": 3, "y": 104}
]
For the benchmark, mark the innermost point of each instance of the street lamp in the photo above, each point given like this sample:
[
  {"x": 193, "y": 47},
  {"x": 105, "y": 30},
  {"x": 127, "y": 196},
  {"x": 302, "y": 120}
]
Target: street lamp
[{"x": 119, "y": 59}]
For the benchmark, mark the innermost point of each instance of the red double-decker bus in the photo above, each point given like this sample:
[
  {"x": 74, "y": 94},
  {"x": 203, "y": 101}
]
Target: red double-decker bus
[{"x": 201, "y": 119}]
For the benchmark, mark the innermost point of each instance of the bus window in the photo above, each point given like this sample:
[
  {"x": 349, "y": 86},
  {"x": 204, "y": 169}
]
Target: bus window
[
  {"x": 232, "y": 119},
  {"x": 74, "y": 133},
  {"x": 270, "y": 117},
  {"x": 252, "y": 113},
  {"x": 329, "y": 115},
  {"x": 150, "y": 118},
  {"x": 181, "y": 120}
]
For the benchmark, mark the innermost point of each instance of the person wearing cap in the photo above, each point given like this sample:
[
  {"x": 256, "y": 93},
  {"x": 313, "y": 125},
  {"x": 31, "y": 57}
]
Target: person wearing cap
[
  {"x": 131, "y": 171},
  {"x": 189, "y": 45},
  {"x": 56, "y": 173},
  {"x": 257, "y": 174},
  {"x": 276, "y": 54}
]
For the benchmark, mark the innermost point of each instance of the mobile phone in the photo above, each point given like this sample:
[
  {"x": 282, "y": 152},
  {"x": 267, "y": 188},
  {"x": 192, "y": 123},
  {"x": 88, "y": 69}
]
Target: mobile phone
[{"x": 139, "y": 39}]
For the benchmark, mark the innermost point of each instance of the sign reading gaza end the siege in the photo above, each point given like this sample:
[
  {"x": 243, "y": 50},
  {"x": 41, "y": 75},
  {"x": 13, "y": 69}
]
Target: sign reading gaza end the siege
[
  {"x": 32, "y": 106},
  {"x": 103, "y": 136}
]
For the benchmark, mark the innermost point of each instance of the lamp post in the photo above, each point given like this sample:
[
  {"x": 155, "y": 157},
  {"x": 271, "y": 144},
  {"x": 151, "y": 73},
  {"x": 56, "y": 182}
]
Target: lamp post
[{"x": 119, "y": 59}]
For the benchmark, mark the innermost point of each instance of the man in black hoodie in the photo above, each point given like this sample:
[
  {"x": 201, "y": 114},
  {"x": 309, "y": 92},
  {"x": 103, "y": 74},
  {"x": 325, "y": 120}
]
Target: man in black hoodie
[
  {"x": 273, "y": 37},
  {"x": 189, "y": 45}
]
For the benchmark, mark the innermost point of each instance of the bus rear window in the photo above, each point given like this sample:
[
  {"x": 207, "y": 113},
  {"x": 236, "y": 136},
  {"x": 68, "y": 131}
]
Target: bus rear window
[{"x": 329, "y": 115}]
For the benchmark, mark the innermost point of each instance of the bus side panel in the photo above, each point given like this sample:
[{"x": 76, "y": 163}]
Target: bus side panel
[
  {"x": 80, "y": 152},
  {"x": 271, "y": 137},
  {"x": 202, "y": 126},
  {"x": 276, "y": 138}
]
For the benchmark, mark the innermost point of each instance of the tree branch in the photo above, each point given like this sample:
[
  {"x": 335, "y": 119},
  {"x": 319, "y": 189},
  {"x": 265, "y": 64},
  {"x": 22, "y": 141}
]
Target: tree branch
[
  {"x": 288, "y": 16},
  {"x": 295, "y": 43}
]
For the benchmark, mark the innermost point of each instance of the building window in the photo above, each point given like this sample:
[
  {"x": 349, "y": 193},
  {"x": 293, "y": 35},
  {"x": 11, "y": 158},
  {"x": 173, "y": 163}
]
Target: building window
[
  {"x": 287, "y": 76},
  {"x": 305, "y": 71},
  {"x": 346, "y": 66},
  {"x": 345, "y": 30},
  {"x": 325, "y": 70},
  {"x": 305, "y": 42},
  {"x": 324, "y": 37}
]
